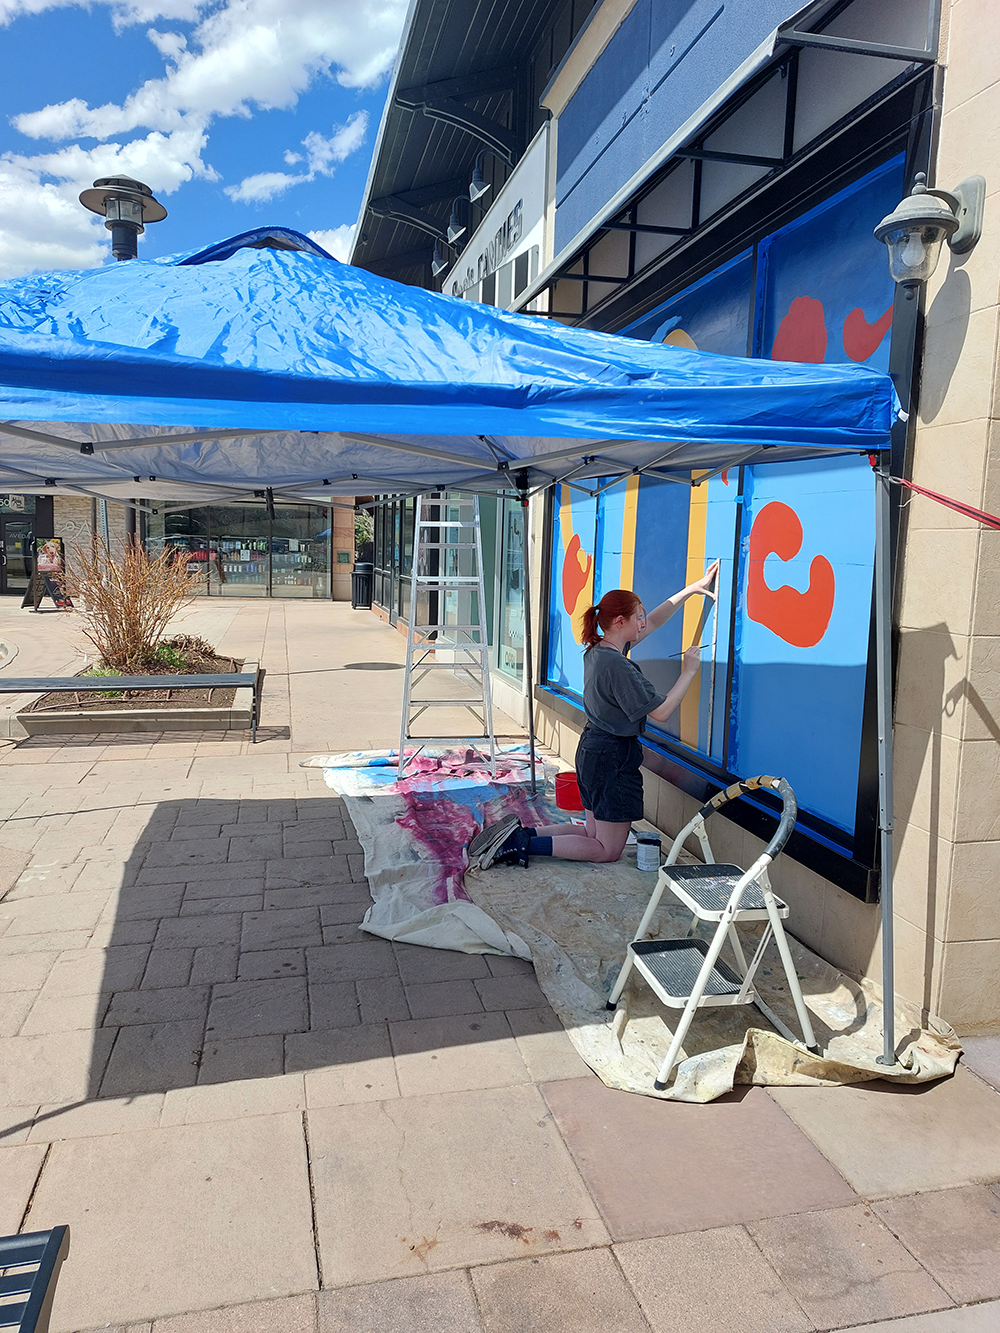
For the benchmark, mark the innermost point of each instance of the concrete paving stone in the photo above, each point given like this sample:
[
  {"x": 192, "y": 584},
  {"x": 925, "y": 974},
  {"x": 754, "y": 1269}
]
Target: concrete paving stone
[
  {"x": 435, "y": 1303},
  {"x": 356, "y": 860},
  {"x": 385, "y": 1209},
  {"x": 33, "y": 916},
  {"x": 333, "y": 1004},
  {"x": 194, "y": 851},
  {"x": 337, "y": 914},
  {"x": 62, "y": 1013},
  {"x": 299, "y": 871},
  {"x": 955, "y": 1234},
  {"x": 455, "y": 1054},
  {"x": 14, "y": 1009},
  {"x": 289, "y": 1314},
  {"x": 214, "y": 872},
  {"x": 186, "y": 832},
  {"x": 255, "y": 847},
  {"x": 166, "y": 967},
  {"x": 91, "y": 971},
  {"x": 15, "y": 1124},
  {"x": 211, "y": 906},
  {"x": 168, "y": 1004},
  {"x": 206, "y": 814},
  {"x": 272, "y": 963},
  {"x": 418, "y": 964},
  {"x": 545, "y": 1047},
  {"x": 345, "y": 933},
  {"x": 289, "y": 928},
  {"x": 152, "y": 1058},
  {"x": 437, "y": 999},
  {"x": 229, "y": 888},
  {"x": 56, "y": 1067},
  {"x": 889, "y": 1139},
  {"x": 198, "y": 932},
  {"x": 843, "y": 1266},
  {"x": 510, "y": 993},
  {"x": 707, "y": 1282},
  {"x": 170, "y": 772},
  {"x": 100, "y": 875},
  {"x": 149, "y": 904},
  {"x": 351, "y": 962},
  {"x": 243, "y": 1057},
  {"x": 982, "y": 1056},
  {"x": 502, "y": 965},
  {"x": 257, "y": 1008},
  {"x": 19, "y": 1168},
  {"x": 558, "y": 1293},
  {"x": 26, "y": 971},
  {"x": 319, "y": 895},
  {"x": 43, "y": 877},
  {"x": 124, "y": 932},
  {"x": 145, "y": 1202},
  {"x": 233, "y": 1100},
  {"x": 382, "y": 998},
  {"x": 215, "y": 962},
  {"x": 90, "y": 1119},
  {"x": 35, "y": 777},
  {"x": 658, "y": 1167},
  {"x": 295, "y": 846},
  {"x": 345, "y": 1065},
  {"x": 970, "y": 1319}
]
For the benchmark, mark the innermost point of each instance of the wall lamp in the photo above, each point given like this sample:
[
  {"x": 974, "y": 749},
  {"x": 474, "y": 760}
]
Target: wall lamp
[
  {"x": 480, "y": 185},
  {"x": 438, "y": 261},
  {"x": 456, "y": 227},
  {"x": 918, "y": 226},
  {"x": 127, "y": 206}
]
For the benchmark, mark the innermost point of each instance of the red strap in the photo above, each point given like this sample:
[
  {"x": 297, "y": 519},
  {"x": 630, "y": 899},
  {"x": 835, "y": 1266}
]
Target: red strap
[{"x": 970, "y": 511}]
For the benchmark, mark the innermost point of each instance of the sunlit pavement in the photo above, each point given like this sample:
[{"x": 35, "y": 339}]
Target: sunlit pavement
[{"x": 257, "y": 1119}]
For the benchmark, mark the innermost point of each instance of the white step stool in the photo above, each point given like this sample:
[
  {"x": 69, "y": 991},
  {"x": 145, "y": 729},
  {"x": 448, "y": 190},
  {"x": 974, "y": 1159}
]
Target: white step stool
[{"x": 689, "y": 974}]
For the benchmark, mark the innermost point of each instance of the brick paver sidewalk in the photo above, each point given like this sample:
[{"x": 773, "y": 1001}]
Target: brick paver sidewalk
[{"x": 257, "y": 1119}]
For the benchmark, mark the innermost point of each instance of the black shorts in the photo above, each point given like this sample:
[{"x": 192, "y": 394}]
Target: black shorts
[{"x": 607, "y": 773}]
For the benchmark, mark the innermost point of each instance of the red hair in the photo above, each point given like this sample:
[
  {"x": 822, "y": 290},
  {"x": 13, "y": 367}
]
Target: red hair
[{"x": 618, "y": 602}]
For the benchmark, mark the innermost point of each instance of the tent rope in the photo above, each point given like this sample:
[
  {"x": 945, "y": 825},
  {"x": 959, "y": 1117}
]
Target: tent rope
[{"x": 959, "y": 506}]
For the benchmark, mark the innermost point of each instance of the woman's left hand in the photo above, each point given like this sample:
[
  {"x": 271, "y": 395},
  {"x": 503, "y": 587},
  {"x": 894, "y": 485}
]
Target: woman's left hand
[{"x": 703, "y": 585}]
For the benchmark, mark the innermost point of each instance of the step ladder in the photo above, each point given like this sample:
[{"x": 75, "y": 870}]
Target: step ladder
[
  {"x": 689, "y": 974},
  {"x": 446, "y": 629}
]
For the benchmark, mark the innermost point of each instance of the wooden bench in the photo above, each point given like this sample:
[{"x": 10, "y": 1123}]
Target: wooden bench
[
  {"x": 42, "y": 1252},
  {"x": 119, "y": 684}
]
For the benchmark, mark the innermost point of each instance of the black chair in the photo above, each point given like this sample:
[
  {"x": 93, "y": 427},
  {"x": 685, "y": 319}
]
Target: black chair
[{"x": 37, "y": 1256}]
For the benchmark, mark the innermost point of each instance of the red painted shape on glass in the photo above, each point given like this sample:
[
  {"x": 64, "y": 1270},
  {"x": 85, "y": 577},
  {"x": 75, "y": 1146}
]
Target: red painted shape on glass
[
  {"x": 575, "y": 573},
  {"x": 801, "y": 334},
  {"x": 800, "y": 618},
  {"x": 861, "y": 339}
]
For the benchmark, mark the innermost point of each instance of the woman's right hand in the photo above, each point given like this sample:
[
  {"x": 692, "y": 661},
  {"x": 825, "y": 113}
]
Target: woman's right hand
[{"x": 692, "y": 660}]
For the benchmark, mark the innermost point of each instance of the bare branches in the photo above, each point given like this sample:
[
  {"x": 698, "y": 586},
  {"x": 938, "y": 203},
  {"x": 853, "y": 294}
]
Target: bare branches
[{"x": 127, "y": 598}]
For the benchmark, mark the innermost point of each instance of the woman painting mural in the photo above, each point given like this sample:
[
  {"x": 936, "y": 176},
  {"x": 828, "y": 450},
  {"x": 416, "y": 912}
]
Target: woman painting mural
[{"x": 617, "y": 700}]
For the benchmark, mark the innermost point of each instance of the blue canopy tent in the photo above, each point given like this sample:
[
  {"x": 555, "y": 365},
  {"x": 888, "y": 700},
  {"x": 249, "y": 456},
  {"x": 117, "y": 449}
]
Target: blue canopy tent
[{"x": 263, "y": 365}]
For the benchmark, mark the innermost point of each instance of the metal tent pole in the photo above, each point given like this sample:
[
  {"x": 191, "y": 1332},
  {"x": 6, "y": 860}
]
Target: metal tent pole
[
  {"x": 522, "y": 487},
  {"x": 883, "y": 675}
]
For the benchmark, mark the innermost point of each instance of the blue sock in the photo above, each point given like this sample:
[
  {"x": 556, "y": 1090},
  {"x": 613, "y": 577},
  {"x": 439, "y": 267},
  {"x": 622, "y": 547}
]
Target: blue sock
[
  {"x": 540, "y": 847},
  {"x": 530, "y": 831}
]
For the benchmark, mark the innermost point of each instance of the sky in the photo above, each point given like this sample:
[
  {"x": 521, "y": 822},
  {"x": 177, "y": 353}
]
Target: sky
[{"x": 238, "y": 114}]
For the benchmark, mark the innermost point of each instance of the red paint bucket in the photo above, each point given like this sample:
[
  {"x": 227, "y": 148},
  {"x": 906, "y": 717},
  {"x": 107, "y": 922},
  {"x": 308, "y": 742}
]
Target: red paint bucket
[{"x": 567, "y": 792}]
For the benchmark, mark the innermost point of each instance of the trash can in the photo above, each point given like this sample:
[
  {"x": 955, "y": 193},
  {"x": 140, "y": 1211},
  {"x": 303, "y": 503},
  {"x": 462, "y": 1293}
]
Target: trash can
[{"x": 361, "y": 584}]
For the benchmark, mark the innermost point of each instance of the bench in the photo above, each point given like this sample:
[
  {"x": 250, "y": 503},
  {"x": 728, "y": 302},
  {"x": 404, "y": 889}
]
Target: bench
[
  {"x": 42, "y": 1252},
  {"x": 119, "y": 684}
]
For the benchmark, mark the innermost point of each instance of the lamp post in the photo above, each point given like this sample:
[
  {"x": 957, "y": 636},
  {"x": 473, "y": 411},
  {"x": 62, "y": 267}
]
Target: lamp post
[
  {"x": 913, "y": 234},
  {"x": 126, "y": 205}
]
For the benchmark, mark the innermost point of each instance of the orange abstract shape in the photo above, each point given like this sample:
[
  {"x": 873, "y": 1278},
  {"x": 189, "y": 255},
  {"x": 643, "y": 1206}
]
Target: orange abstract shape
[
  {"x": 577, "y": 565},
  {"x": 679, "y": 338},
  {"x": 800, "y": 618},
  {"x": 861, "y": 339},
  {"x": 801, "y": 334}
]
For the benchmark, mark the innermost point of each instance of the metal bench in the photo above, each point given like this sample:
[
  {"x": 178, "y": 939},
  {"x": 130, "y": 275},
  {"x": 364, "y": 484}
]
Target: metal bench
[
  {"x": 38, "y": 1256},
  {"x": 119, "y": 684}
]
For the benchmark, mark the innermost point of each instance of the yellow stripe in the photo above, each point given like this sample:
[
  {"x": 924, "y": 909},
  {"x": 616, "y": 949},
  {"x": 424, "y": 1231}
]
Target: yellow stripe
[
  {"x": 629, "y": 519},
  {"x": 697, "y": 526}
]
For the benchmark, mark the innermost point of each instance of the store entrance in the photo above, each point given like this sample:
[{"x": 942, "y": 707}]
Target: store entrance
[{"x": 17, "y": 544}]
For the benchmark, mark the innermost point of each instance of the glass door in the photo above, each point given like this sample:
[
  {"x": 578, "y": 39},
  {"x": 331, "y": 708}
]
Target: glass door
[{"x": 16, "y": 554}]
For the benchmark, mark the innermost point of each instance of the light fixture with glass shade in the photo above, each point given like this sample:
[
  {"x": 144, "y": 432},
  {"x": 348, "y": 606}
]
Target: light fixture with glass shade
[
  {"x": 480, "y": 185},
  {"x": 127, "y": 206},
  {"x": 438, "y": 261},
  {"x": 456, "y": 227},
  {"x": 919, "y": 225}
]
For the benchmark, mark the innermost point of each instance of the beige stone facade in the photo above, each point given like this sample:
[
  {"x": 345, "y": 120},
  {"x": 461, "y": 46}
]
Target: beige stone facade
[
  {"x": 73, "y": 520},
  {"x": 947, "y": 716}
]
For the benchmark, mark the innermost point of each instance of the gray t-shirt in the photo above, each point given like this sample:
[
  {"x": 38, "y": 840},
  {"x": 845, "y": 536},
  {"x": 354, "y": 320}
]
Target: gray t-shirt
[{"x": 616, "y": 695}]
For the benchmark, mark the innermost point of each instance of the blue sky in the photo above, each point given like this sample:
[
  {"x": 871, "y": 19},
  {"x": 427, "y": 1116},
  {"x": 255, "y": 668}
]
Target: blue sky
[{"x": 238, "y": 113}]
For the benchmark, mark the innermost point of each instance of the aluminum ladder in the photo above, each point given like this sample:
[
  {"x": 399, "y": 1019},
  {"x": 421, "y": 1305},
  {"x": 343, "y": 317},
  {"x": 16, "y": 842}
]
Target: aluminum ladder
[
  {"x": 688, "y": 974},
  {"x": 446, "y": 629}
]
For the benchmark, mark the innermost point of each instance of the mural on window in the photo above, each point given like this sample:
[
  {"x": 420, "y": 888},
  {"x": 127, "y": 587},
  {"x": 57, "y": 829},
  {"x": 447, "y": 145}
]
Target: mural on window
[{"x": 796, "y": 541}]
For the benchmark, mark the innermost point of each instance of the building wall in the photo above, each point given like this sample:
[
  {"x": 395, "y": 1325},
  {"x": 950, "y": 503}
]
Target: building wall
[
  {"x": 72, "y": 520},
  {"x": 343, "y": 541}
]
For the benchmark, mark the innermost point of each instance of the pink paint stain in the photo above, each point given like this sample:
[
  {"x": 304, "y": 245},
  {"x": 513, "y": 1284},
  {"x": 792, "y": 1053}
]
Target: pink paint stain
[{"x": 443, "y": 829}]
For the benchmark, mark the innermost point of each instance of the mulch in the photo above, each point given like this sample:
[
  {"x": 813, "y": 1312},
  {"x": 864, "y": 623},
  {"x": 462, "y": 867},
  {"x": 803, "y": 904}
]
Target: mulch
[{"x": 165, "y": 699}]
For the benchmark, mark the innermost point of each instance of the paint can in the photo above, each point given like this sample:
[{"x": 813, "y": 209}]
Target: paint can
[{"x": 647, "y": 851}]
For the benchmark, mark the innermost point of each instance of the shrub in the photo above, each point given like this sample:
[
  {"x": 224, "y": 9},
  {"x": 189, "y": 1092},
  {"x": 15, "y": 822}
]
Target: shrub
[{"x": 127, "y": 598}]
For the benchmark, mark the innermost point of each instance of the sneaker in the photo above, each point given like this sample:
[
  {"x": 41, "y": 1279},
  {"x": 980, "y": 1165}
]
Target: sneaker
[
  {"x": 513, "y": 851},
  {"x": 490, "y": 838}
]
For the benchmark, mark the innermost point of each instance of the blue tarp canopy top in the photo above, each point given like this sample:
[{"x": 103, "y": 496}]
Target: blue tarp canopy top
[{"x": 263, "y": 362}]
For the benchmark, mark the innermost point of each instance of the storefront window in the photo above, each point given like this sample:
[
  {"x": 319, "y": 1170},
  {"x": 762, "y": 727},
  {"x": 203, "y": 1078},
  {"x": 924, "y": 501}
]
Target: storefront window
[
  {"x": 300, "y": 551},
  {"x": 510, "y": 640},
  {"x": 240, "y": 539}
]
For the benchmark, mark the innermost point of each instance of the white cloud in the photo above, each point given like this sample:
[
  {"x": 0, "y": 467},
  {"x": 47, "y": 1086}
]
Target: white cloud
[
  {"x": 322, "y": 154},
  {"x": 123, "y": 12},
  {"x": 337, "y": 241}
]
